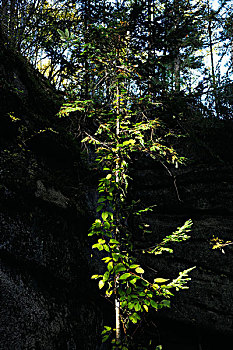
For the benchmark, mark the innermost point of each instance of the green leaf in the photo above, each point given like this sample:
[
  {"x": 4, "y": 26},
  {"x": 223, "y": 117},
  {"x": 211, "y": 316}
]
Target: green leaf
[
  {"x": 108, "y": 176},
  {"x": 130, "y": 306},
  {"x": 101, "y": 284},
  {"x": 141, "y": 294},
  {"x": 94, "y": 277},
  {"x": 160, "y": 280},
  {"x": 98, "y": 246},
  {"x": 97, "y": 223},
  {"x": 139, "y": 270},
  {"x": 61, "y": 33},
  {"x": 100, "y": 207},
  {"x": 134, "y": 266},
  {"x": 134, "y": 317},
  {"x": 107, "y": 259},
  {"x": 114, "y": 241},
  {"x": 104, "y": 215},
  {"x": 107, "y": 225},
  {"x": 133, "y": 281},
  {"x": 115, "y": 256},
  {"x": 123, "y": 303},
  {"x": 105, "y": 338},
  {"x": 166, "y": 303},
  {"x": 106, "y": 276},
  {"x": 145, "y": 283},
  {"x": 134, "y": 296},
  {"x": 154, "y": 304},
  {"x": 146, "y": 307},
  {"x": 125, "y": 276},
  {"x": 110, "y": 266},
  {"x": 67, "y": 34},
  {"x": 119, "y": 267},
  {"x": 111, "y": 215},
  {"x": 129, "y": 142},
  {"x": 155, "y": 286},
  {"x": 137, "y": 306},
  {"x": 106, "y": 247}
]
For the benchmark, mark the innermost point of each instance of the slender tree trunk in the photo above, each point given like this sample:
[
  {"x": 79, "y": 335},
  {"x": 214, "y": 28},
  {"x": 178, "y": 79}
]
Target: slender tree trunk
[
  {"x": 211, "y": 47},
  {"x": 232, "y": 52},
  {"x": 117, "y": 302},
  {"x": 13, "y": 21},
  {"x": 176, "y": 51},
  {"x": 164, "y": 68},
  {"x": 150, "y": 54},
  {"x": 177, "y": 69},
  {"x": 86, "y": 62},
  {"x": 212, "y": 59}
]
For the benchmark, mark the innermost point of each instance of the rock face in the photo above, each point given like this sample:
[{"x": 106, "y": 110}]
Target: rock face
[
  {"x": 205, "y": 310},
  {"x": 46, "y": 206},
  {"x": 47, "y": 300}
]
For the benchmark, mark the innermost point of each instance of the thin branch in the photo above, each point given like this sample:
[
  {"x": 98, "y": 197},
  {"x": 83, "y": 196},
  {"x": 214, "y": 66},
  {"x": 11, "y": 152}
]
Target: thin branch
[{"x": 174, "y": 180}]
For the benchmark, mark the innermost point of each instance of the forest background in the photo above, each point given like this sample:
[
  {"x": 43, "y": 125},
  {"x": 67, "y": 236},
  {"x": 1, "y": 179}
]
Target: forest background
[{"x": 174, "y": 46}]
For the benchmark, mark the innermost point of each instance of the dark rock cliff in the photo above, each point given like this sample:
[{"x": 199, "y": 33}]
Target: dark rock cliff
[
  {"x": 201, "y": 317},
  {"x": 47, "y": 299}
]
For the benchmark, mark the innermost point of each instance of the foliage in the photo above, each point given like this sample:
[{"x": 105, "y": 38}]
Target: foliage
[
  {"x": 175, "y": 45},
  {"x": 124, "y": 277},
  {"x": 218, "y": 243},
  {"x": 125, "y": 125},
  {"x": 178, "y": 236},
  {"x": 121, "y": 132}
]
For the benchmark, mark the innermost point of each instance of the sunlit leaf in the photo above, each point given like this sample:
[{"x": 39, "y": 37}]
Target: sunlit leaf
[{"x": 101, "y": 284}]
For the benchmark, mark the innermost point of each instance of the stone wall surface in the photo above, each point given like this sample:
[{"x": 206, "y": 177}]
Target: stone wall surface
[
  {"x": 47, "y": 201},
  {"x": 206, "y": 197},
  {"x": 47, "y": 300}
]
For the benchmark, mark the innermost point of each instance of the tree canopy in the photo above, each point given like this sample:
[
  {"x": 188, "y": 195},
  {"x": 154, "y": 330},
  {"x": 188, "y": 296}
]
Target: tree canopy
[{"x": 174, "y": 46}]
